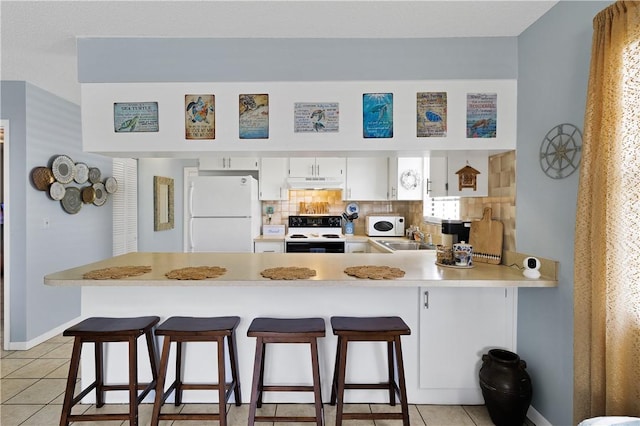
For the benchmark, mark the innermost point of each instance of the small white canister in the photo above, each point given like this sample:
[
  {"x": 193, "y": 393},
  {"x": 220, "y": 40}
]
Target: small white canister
[{"x": 463, "y": 254}]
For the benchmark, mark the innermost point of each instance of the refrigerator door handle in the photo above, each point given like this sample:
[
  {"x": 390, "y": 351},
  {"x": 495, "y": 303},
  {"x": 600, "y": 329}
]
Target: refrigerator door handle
[
  {"x": 191, "y": 189},
  {"x": 191, "y": 246}
]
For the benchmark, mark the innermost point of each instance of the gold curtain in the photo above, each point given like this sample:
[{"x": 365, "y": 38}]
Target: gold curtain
[{"x": 607, "y": 242}]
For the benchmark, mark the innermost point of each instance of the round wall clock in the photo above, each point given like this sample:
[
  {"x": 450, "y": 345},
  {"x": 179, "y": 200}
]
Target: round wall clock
[{"x": 560, "y": 151}]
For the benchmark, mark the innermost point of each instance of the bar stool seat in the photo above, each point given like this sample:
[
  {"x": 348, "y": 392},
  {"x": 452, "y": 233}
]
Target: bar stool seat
[
  {"x": 285, "y": 330},
  {"x": 370, "y": 329},
  {"x": 197, "y": 329},
  {"x": 99, "y": 330}
]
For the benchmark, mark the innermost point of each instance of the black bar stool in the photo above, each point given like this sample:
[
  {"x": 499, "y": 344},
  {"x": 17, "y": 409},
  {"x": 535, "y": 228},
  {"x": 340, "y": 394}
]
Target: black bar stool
[
  {"x": 370, "y": 329},
  {"x": 189, "y": 329},
  {"x": 285, "y": 330},
  {"x": 99, "y": 330}
]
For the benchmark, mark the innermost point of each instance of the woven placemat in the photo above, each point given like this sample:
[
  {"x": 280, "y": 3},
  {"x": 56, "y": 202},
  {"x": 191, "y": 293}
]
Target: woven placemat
[
  {"x": 288, "y": 273},
  {"x": 374, "y": 272},
  {"x": 196, "y": 273},
  {"x": 116, "y": 272}
]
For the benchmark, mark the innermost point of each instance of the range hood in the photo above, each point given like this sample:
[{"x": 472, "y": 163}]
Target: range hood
[{"x": 315, "y": 183}]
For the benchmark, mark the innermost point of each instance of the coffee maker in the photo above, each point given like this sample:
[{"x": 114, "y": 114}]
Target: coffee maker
[{"x": 455, "y": 231}]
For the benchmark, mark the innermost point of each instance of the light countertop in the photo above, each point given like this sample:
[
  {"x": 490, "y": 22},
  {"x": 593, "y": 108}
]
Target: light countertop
[{"x": 243, "y": 269}]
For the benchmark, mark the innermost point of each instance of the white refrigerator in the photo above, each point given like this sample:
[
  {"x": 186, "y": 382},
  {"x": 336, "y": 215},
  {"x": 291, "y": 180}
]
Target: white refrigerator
[{"x": 224, "y": 214}]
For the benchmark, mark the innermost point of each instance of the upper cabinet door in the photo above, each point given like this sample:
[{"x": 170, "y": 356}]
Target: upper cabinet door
[
  {"x": 302, "y": 167},
  {"x": 331, "y": 166},
  {"x": 366, "y": 179},
  {"x": 437, "y": 179},
  {"x": 273, "y": 178},
  {"x": 316, "y": 167},
  {"x": 410, "y": 178},
  {"x": 228, "y": 163}
]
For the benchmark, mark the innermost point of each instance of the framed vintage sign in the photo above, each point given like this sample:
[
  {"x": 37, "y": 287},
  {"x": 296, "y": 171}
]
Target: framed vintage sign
[
  {"x": 322, "y": 117},
  {"x": 200, "y": 116},
  {"x": 253, "y": 116},
  {"x": 377, "y": 115},
  {"x": 135, "y": 117}
]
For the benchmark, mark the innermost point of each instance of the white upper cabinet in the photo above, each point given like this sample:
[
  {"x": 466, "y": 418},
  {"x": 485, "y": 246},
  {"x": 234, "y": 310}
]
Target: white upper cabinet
[
  {"x": 317, "y": 167},
  {"x": 228, "y": 163},
  {"x": 406, "y": 178},
  {"x": 367, "y": 179},
  {"x": 437, "y": 180},
  {"x": 459, "y": 174},
  {"x": 272, "y": 180}
]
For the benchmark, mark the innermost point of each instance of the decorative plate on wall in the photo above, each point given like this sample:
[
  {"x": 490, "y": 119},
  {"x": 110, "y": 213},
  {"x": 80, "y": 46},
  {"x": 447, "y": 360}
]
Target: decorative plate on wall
[
  {"x": 57, "y": 191},
  {"x": 82, "y": 173},
  {"x": 94, "y": 175},
  {"x": 101, "y": 194},
  {"x": 71, "y": 202},
  {"x": 111, "y": 185},
  {"x": 63, "y": 169}
]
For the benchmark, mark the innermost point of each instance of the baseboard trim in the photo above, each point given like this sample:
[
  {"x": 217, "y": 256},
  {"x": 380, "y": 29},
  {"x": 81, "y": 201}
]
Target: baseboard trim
[
  {"x": 536, "y": 418},
  {"x": 23, "y": 346}
]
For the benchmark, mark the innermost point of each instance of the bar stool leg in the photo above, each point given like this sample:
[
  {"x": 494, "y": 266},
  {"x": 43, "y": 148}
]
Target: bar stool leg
[
  {"x": 153, "y": 355},
  {"x": 164, "y": 366},
  {"x": 257, "y": 372},
  {"x": 334, "y": 383},
  {"x": 133, "y": 381},
  {"x": 391, "y": 365},
  {"x": 341, "y": 378},
  {"x": 233, "y": 360},
  {"x": 99, "y": 367},
  {"x": 222, "y": 377},
  {"x": 401, "y": 383},
  {"x": 317, "y": 393},
  {"x": 178, "y": 389},
  {"x": 71, "y": 381},
  {"x": 261, "y": 381}
]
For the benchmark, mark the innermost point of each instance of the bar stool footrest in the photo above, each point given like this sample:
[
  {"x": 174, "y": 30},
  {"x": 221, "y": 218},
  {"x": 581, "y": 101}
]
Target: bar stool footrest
[
  {"x": 281, "y": 388},
  {"x": 285, "y": 419},
  {"x": 372, "y": 416}
]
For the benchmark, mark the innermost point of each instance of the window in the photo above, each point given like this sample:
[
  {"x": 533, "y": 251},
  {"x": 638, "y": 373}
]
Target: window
[{"x": 442, "y": 208}]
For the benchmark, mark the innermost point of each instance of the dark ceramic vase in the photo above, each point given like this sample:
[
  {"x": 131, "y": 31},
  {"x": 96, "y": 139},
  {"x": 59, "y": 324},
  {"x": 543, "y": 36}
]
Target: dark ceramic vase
[{"x": 506, "y": 387}]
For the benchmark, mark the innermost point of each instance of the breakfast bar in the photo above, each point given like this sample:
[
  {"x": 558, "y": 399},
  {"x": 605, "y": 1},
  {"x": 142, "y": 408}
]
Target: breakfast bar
[{"x": 455, "y": 315}]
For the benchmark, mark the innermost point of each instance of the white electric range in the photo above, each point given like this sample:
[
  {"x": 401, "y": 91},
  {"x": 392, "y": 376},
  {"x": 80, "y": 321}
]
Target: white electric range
[{"x": 314, "y": 234}]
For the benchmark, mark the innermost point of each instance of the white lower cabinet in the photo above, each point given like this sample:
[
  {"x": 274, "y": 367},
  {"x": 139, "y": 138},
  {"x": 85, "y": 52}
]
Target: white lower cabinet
[
  {"x": 268, "y": 246},
  {"x": 458, "y": 326}
]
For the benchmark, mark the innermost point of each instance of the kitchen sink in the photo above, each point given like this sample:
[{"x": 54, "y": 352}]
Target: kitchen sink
[{"x": 406, "y": 245}]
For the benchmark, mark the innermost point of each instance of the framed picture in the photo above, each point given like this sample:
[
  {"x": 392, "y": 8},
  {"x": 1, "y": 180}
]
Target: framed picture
[
  {"x": 482, "y": 115},
  {"x": 377, "y": 115},
  {"x": 253, "y": 113},
  {"x": 131, "y": 117},
  {"x": 431, "y": 114},
  {"x": 163, "y": 213},
  {"x": 200, "y": 116},
  {"x": 316, "y": 117}
]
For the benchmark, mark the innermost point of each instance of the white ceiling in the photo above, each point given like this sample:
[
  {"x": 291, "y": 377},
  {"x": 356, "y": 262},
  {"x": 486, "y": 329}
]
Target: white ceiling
[{"x": 39, "y": 37}]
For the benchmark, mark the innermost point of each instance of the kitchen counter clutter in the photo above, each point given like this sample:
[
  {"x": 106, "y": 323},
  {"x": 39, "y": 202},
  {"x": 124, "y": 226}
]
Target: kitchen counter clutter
[{"x": 244, "y": 269}]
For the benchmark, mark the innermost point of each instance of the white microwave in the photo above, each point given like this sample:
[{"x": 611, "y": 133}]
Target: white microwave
[{"x": 385, "y": 226}]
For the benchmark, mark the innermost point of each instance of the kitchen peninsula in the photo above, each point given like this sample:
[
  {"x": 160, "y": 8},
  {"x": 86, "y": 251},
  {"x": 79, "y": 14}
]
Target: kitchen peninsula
[{"x": 455, "y": 315}]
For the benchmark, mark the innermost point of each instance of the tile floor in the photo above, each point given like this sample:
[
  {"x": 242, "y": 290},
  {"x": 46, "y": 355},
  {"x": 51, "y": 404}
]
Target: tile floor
[{"x": 32, "y": 384}]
